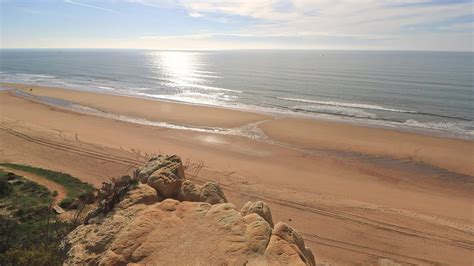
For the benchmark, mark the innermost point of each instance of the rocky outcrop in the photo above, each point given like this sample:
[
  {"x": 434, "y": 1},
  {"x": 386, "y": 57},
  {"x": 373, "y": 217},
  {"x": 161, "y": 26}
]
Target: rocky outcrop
[
  {"x": 259, "y": 208},
  {"x": 165, "y": 174},
  {"x": 176, "y": 222},
  {"x": 212, "y": 193}
]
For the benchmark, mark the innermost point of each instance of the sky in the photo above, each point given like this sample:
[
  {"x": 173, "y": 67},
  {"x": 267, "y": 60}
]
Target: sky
[{"x": 227, "y": 24}]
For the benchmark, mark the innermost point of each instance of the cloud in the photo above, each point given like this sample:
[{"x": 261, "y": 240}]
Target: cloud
[
  {"x": 91, "y": 6},
  {"x": 380, "y": 24},
  {"x": 195, "y": 15},
  {"x": 372, "y": 20},
  {"x": 169, "y": 37},
  {"x": 156, "y": 4},
  {"x": 360, "y": 17}
]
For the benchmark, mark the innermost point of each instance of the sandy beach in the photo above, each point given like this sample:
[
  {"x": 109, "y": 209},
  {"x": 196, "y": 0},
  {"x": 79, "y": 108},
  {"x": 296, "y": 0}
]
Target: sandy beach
[{"x": 358, "y": 194}]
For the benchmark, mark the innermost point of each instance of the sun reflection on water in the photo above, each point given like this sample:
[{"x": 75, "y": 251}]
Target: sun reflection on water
[
  {"x": 189, "y": 77},
  {"x": 181, "y": 68}
]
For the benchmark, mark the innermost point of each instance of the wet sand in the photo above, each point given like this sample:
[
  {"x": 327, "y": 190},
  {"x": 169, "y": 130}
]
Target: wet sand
[
  {"x": 452, "y": 154},
  {"x": 360, "y": 195},
  {"x": 185, "y": 114}
]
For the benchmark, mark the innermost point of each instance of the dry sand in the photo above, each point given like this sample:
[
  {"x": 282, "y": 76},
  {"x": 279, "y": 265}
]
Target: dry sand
[{"x": 362, "y": 196}]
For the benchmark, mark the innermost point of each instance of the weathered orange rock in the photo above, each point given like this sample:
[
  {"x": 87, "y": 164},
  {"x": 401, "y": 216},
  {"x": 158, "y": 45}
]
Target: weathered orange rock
[{"x": 145, "y": 229}]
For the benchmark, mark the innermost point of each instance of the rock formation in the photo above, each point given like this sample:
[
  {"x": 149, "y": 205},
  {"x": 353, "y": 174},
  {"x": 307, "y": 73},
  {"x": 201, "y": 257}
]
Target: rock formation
[{"x": 168, "y": 220}]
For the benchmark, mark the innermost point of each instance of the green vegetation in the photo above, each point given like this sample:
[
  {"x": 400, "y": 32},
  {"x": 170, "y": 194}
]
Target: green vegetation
[
  {"x": 30, "y": 231},
  {"x": 5, "y": 187},
  {"x": 24, "y": 199},
  {"x": 73, "y": 186},
  {"x": 40, "y": 255}
]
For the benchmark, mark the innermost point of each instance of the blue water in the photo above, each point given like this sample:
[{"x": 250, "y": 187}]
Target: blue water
[{"x": 421, "y": 90}]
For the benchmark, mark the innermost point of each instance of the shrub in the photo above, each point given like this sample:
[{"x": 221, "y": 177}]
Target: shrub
[
  {"x": 5, "y": 188},
  {"x": 110, "y": 194},
  {"x": 44, "y": 254},
  {"x": 19, "y": 212},
  {"x": 66, "y": 203},
  {"x": 11, "y": 176}
]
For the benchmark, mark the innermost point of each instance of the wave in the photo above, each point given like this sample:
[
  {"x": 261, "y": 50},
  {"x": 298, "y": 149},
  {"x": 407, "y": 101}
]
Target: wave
[
  {"x": 205, "y": 87},
  {"x": 216, "y": 99},
  {"x": 26, "y": 77},
  {"x": 351, "y": 105},
  {"x": 463, "y": 128},
  {"x": 336, "y": 110},
  {"x": 105, "y": 88},
  {"x": 371, "y": 107},
  {"x": 38, "y": 76}
]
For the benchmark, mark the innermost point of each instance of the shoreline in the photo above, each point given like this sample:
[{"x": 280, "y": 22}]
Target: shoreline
[
  {"x": 156, "y": 110},
  {"x": 265, "y": 112}
]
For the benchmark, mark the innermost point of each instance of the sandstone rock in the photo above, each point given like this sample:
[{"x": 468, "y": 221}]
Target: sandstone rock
[
  {"x": 283, "y": 231},
  {"x": 179, "y": 233},
  {"x": 189, "y": 192},
  {"x": 143, "y": 194},
  {"x": 147, "y": 226},
  {"x": 163, "y": 173},
  {"x": 170, "y": 163},
  {"x": 212, "y": 193},
  {"x": 258, "y": 231},
  {"x": 310, "y": 257},
  {"x": 111, "y": 258},
  {"x": 280, "y": 252},
  {"x": 166, "y": 183},
  {"x": 260, "y": 208}
]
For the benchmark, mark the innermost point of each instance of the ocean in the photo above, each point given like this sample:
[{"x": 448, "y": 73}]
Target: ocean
[{"x": 423, "y": 91}]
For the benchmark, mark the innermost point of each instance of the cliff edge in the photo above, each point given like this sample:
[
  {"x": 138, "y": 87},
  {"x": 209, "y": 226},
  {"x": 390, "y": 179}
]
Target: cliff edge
[{"x": 158, "y": 217}]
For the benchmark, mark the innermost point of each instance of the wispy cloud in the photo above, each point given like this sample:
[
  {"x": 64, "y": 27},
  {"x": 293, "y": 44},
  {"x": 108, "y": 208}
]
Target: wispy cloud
[
  {"x": 91, "y": 6},
  {"x": 260, "y": 35},
  {"x": 156, "y": 4},
  {"x": 361, "y": 17},
  {"x": 328, "y": 24},
  {"x": 195, "y": 14}
]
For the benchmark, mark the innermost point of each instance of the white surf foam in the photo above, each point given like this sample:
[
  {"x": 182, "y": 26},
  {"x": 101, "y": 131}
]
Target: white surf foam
[
  {"x": 463, "y": 127},
  {"x": 350, "y": 105},
  {"x": 216, "y": 98},
  {"x": 105, "y": 88},
  {"x": 337, "y": 110},
  {"x": 205, "y": 87}
]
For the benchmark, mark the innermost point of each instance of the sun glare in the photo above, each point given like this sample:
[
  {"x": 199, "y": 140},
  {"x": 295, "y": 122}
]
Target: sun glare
[{"x": 180, "y": 67}]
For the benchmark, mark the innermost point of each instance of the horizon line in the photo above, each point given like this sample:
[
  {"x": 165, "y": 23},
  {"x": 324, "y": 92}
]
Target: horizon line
[{"x": 237, "y": 49}]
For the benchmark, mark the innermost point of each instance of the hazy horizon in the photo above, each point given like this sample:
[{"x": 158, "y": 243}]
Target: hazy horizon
[
  {"x": 402, "y": 25},
  {"x": 237, "y": 49}
]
